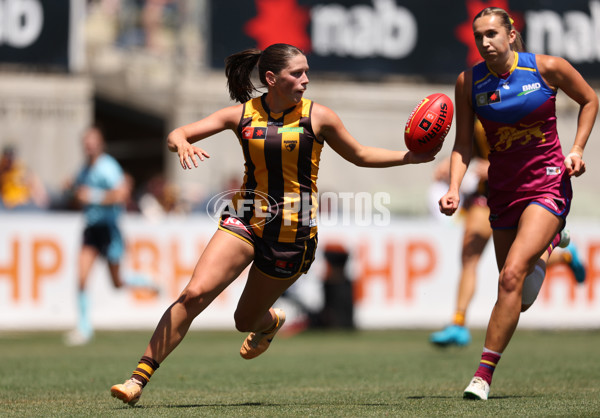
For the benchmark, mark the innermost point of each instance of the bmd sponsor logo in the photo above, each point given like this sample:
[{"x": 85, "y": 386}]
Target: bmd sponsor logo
[{"x": 530, "y": 88}]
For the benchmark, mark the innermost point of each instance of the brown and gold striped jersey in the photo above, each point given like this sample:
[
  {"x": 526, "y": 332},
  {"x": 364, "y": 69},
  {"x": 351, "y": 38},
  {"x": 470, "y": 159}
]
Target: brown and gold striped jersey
[{"x": 281, "y": 152}]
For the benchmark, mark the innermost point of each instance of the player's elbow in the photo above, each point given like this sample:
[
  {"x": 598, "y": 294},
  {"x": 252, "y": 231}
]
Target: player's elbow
[
  {"x": 592, "y": 104},
  {"x": 361, "y": 163}
]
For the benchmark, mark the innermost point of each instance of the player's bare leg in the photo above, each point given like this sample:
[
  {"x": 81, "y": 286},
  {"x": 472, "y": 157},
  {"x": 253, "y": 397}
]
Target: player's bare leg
[{"x": 215, "y": 270}]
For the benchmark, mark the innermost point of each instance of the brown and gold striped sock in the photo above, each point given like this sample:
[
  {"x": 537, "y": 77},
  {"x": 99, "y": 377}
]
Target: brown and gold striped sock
[{"x": 144, "y": 370}]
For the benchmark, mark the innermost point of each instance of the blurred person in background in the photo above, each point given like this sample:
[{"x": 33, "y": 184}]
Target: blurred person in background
[
  {"x": 338, "y": 292},
  {"x": 337, "y": 310},
  {"x": 20, "y": 188},
  {"x": 281, "y": 134},
  {"x": 101, "y": 189},
  {"x": 513, "y": 94},
  {"x": 160, "y": 198},
  {"x": 477, "y": 232},
  {"x": 153, "y": 15}
]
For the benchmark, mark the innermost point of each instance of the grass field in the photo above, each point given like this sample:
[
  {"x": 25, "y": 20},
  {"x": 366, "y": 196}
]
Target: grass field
[{"x": 375, "y": 373}]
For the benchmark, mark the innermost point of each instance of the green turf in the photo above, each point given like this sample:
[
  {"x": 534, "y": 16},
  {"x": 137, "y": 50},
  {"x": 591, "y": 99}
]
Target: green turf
[{"x": 382, "y": 373}]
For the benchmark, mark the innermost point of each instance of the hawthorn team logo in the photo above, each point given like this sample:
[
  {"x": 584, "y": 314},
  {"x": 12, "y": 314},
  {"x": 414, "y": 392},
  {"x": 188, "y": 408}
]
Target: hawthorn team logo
[{"x": 290, "y": 145}]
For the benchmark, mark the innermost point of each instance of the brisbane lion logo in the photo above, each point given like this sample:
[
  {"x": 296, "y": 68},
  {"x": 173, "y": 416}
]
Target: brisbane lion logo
[{"x": 507, "y": 135}]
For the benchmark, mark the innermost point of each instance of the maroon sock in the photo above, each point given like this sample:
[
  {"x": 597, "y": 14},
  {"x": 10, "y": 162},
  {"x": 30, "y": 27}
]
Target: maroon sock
[
  {"x": 487, "y": 365},
  {"x": 554, "y": 244}
]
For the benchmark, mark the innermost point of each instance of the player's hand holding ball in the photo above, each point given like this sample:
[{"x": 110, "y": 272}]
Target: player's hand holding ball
[{"x": 428, "y": 124}]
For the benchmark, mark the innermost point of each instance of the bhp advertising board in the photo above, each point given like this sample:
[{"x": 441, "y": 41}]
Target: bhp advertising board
[{"x": 404, "y": 274}]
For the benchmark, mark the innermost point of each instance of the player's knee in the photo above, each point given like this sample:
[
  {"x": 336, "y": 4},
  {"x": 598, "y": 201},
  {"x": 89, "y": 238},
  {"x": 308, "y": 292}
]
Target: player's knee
[{"x": 509, "y": 280}]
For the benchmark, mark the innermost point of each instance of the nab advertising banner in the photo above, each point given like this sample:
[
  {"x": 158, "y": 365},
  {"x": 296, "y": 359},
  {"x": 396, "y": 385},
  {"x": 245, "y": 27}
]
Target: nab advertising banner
[
  {"x": 38, "y": 33},
  {"x": 372, "y": 38}
]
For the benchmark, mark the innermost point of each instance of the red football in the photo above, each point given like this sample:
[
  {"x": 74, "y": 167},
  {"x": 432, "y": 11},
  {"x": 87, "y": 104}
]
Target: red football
[{"x": 429, "y": 123}]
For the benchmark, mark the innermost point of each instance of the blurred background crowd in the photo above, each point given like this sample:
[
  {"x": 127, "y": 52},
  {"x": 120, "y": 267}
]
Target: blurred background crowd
[
  {"x": 21, "y": 189},
  {"x": 112, "y": 37},
  {"x": 139, "y": 68}
]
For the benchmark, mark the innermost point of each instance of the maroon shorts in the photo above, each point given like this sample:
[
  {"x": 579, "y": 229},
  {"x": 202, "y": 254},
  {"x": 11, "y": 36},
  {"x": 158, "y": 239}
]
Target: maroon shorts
[
  {"x": 278, "y": 260},
  {"x": 506, "y": 207}
]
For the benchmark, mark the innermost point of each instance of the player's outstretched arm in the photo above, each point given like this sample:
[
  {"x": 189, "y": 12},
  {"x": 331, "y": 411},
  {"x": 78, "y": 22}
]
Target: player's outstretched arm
[
  {"x": 329, "y": 128},
  {"x": 180, "y": 140}
]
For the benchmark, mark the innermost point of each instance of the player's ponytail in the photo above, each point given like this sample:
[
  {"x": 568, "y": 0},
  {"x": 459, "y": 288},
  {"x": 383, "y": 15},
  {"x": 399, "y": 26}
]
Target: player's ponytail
[
  {"x": 238, "y": 70},
  {"x": 239, "y": 66},
  {"x": 519, "y": 44}
]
